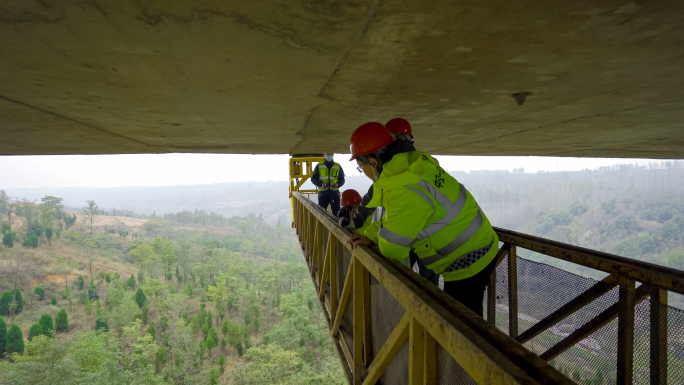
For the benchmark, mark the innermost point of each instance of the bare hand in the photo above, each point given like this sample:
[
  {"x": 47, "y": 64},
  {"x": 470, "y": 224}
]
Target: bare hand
[{"x": 358, "y": 240}]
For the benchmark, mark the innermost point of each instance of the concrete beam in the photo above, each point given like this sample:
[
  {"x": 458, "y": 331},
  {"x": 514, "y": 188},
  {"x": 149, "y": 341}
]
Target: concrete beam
[{"x": 603, "y": 78}]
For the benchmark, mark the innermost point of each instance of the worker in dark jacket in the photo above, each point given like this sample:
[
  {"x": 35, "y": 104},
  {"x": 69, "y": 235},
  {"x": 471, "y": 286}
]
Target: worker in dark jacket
[
  {"x": 351, "y": 200},
  {"x": 328, "y": 176}
]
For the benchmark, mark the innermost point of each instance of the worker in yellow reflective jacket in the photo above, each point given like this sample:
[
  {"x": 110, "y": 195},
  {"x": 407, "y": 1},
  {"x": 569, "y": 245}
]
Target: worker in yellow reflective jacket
[
  {"x": 399, "y": 129},
  {"x": 328, "y": 176},
  {"x": 427, "y": 212}
]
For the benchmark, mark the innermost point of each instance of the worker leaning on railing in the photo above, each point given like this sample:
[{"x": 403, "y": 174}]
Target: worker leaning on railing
[
  {"x": 427, "y": 212},
  {"x": 400, "y": 129}
]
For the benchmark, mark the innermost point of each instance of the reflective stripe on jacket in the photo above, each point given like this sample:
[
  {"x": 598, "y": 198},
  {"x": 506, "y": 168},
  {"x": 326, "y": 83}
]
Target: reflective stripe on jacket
[
  {"x": 328, "y": 178},
  {"x": 429, "y": 211}
]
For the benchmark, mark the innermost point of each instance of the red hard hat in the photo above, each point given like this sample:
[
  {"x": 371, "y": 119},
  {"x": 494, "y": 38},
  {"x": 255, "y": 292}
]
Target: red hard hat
[
  {"x": 399, "y": 125},
  {"x": 350, "y": 198},
  {"x": 369, "y": 137}
]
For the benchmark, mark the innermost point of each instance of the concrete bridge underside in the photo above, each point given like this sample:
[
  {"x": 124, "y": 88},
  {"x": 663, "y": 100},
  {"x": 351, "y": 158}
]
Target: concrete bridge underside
[{"x": 603, "y": 78}]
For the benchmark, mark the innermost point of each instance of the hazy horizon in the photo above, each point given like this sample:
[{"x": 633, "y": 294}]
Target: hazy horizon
[{"x": 160, "y": 170}]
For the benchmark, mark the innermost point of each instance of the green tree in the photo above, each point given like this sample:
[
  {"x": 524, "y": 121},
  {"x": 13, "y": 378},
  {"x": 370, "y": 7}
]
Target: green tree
[
  {"x": 88, "y": 307},
  {"x": 15, "y": 340},
  {"x": 19, "y": 301},
  {"x": 143, "y": 254},
  {"x": 5, "y": 302},
  {"x": 108, "y": 279},
  {"x": 271, "y": 364},
  {"x": 205, "y": 331},
  {"x": 671, "y": 230},
  {"x": 675, "y": 259},
  {"x": 140, "y": 297},
  {"x": 61, "y": 322},
  {"x": 35, "y": 330},
  {"x": 40, "y": 293},
  {"x": 131, "y": 282},
  {"x": 3, "y": 337},
  {"x": 99, "y": 324},
  {"x": 210, "y": 344},
  {"x": 628, "y": 248},
  {"x": 90, "y": 211},
  {"x": 163, "y": 249},
  {"x": 81, "y": 282},
  {"x": 159, "y": 359},
  {"x": 53, "y": 301},
  {"x": 47, "y": 325},
  {"x": 222, "y": 363},
  {"x": 187, "y": 289},
  {"x": 48, "y": 235},
  {"x": 214, "y": 376},
  {"x": 578, "y": 208},
  {"x": 145, "y": 312},
  {"x": 152, "y": 332},
  {"x": 8, "y": 240}
]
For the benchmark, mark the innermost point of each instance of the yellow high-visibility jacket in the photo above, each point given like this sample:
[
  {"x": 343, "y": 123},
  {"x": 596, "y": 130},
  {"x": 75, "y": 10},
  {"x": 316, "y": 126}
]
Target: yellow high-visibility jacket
[{"x": 429, "y": 211}]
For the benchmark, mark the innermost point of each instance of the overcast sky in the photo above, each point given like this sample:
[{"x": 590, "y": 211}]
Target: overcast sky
[{"x": 188, "y": 169}]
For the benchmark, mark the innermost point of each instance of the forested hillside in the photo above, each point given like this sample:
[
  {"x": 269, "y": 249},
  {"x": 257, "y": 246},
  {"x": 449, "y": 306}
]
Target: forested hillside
[
  {"x": 184, "y": 291},
  {"x": 103, "y": 299}
]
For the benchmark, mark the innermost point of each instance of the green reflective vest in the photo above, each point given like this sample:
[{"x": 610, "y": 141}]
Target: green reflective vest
[
  {"x": 429, "y": 211},
  {"x": 329, "y": 179}
]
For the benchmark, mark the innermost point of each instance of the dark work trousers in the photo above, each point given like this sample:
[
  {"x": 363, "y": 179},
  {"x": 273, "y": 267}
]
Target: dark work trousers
[
  {"x": 422, "y": 270},
  {"x": 470, "y": 291},
  {"x": 333, "y": 201}
]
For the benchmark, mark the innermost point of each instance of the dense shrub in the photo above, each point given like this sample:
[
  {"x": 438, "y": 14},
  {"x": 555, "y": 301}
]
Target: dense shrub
[
  {"x": 3, "y": 337},
  {"x": 152, "y": 332},
  {"x": 675, "y": 259},
  {"x": 131, "y": 282},
  {"x": 35, "y": 330},
  {"x": 53, "y": 301},
  {"x": 40, "y": 293},
  {"x": 628, "y": 248},
  {"x": 578, "y": 208},
  {"x": 99, "y": 324},
  {"x": 61, "y": 322},
  {"x": 8, "y": 240},
  {"x": 140, "y": 297},
  {"x": 47, "y": 325},
  {"x": 6, "y": 300},
  {"x": 15, "y": 340},
  {"x": 626, "y": 222},
  {"x": 81, "y": 282},
  {"x": 20, "y": 301}
]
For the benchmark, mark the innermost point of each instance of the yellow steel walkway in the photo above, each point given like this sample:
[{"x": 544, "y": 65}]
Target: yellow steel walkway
[{"x": 390, "y": 324}]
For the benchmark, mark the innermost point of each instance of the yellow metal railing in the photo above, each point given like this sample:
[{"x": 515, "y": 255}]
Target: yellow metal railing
[
  {"x": 432, "y": 324},
  {"x": 301, "y": 169}
]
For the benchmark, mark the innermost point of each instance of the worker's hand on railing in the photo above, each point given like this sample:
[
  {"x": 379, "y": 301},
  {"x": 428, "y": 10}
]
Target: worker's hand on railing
[{"x": 358, "y": 240}]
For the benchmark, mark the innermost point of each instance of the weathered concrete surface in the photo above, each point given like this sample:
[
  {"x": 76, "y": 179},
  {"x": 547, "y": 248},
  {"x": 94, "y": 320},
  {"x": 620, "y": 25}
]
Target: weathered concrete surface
[{"x": 605, "y": 78}]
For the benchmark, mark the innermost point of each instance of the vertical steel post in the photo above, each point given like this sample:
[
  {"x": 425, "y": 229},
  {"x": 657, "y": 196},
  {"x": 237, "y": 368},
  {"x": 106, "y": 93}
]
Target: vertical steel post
[
  {"x": 333, "y": 274},
  {"x": 625, "y": 357},
  {"x": 491, "y": 299},
  {"x": 416, "y": 352},
  {"x": 357, "y": 301},
  {"x": 512, "y": 292},
  {"x": 430, "y": 366},
  {"x": 367, "y": 330},
  {"x": 659, "y": 324}
]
